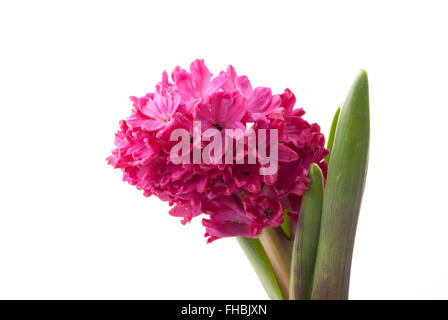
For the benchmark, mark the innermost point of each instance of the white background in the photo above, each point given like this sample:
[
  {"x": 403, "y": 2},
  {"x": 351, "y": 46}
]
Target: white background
[{"x": 70, "y": 228}]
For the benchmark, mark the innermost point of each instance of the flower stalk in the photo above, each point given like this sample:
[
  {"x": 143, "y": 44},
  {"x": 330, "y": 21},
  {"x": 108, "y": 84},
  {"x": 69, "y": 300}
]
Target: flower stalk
[
  {"x": 278, "y": 249},
  {"x": 260, "y": 262}
]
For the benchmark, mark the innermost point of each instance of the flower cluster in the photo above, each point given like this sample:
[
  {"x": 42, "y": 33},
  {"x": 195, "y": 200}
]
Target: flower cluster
[{"x": 236, "y": 199}]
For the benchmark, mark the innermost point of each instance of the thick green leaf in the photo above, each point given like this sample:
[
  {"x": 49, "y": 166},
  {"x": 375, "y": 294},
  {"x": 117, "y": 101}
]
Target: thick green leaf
[
  {"x": 307, "y": 237},
  {"x": 330, "y": 141},
  {"x": 342, "y": 196},
  {"x": 260, "y": 262}
]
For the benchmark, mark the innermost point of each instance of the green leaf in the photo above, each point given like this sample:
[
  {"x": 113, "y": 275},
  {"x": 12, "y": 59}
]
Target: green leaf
[
  {"x": 307, "y": 237},
  {"x": 330, "y": 141},
  {"x": 260, "y": 262},
  {"x": 286, "y": 225},
  {"x": 343, "y": 194}
]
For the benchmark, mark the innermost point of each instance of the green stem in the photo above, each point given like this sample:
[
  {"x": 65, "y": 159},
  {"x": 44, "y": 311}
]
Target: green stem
[
  {"x": 262, "y": 266},
  {"x": 278, "y": 249}
]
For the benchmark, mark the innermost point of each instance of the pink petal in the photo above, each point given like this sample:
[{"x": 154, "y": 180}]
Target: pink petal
[
  {"x": 152, "y": 125},
  {"x": 221, "y": 103},
  {"x": 184, "y": 86},
  {"x": 244, "y": 86},
  {"x": 216, "y": 84},
  {"x": 259, "y": 100},
  {"x": 204, "y": 112},
  {"x": 288, "y": 100},
  {"x": 286, "y": 154},
  {"x": 200, "y": 76},
  {"x": 230, "y": 75},
  {"x": 237, "y": 110}
]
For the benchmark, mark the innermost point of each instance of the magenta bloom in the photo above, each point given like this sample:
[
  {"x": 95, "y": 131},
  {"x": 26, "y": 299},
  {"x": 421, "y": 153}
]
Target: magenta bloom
[{"x": 236, "y": 199}]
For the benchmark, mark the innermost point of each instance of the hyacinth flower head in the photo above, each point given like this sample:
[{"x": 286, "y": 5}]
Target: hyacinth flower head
[{"x": 234, "y": 198}]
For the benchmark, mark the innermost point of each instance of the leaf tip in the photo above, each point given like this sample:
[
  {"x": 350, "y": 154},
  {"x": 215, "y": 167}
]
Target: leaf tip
[{"x": 362, "y": 78}]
